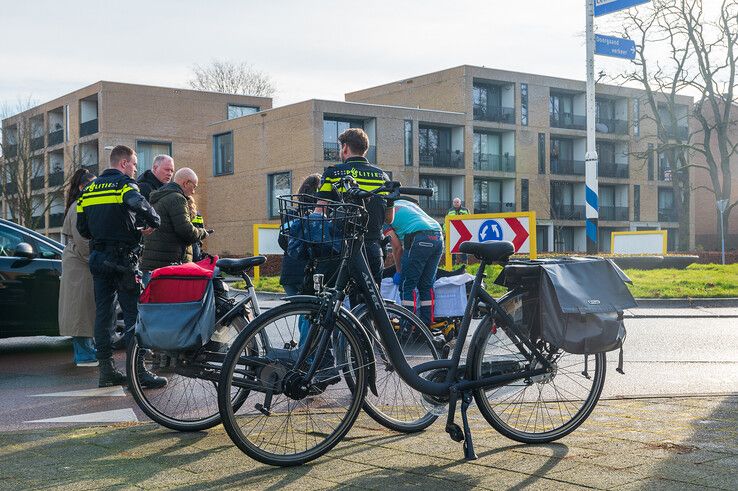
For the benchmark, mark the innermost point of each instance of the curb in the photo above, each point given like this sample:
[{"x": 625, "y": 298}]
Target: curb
[{"x": 676, "y": 303}]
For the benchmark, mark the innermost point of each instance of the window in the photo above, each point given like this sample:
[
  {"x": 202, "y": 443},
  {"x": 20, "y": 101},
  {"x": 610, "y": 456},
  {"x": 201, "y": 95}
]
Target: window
[
  {"x": 636, "y": 202},
  {"x": 542, "y": 238},
  {"x": 650, "y": 161},
  {"x": 223, "y": 154},
  {"x": 148, "y": 150},
  {"x": 236, "y": 111},
  {"x": 408, "y": 142},
  {"x": 279, "y": 184},
  {"x": 524, "y": 195},
  {"x": 561, "y": 109},
  {"x": 636, "y": 117},
  {"x": 563, "y": 239},
  {"x": 332, "y": 128},
  {"x": 9, "y": 239},
  {"x": 524, "y": 104},
  {"x": 488, "y": 196},
  {"x": 541, "y": 153}
]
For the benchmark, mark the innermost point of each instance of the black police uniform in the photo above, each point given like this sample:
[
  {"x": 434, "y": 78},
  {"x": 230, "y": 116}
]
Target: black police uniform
[
  {"x": 107, "y": 212},
  {"x": 369, "y": 177}
]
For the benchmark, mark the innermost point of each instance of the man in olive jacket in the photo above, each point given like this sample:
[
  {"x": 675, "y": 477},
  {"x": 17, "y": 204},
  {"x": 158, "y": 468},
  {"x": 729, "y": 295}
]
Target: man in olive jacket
[{"x": 172, "y": 241}]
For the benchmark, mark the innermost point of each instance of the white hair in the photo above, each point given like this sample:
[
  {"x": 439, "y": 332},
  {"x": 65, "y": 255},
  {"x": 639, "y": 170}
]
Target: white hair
[
  {"x": 184, "y": 174},
  {"x": 161, "y": 158}
]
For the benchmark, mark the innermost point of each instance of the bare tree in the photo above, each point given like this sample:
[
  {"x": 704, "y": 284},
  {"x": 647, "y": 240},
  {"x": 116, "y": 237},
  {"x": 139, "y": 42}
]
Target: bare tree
[
  {"x": 700, "y": 57},
  {"x": 27, "y": 193},
  {"x": 232, "y": 78}
]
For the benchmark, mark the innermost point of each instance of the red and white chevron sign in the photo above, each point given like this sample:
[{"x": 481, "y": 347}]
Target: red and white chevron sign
[{"x": 514, "y": 227}]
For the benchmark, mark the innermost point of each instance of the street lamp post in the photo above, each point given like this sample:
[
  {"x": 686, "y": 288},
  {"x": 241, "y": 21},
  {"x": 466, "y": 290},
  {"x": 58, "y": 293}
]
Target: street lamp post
[
  {"x": 722, "y": 205},
  {"x": 590, "y": 157}
]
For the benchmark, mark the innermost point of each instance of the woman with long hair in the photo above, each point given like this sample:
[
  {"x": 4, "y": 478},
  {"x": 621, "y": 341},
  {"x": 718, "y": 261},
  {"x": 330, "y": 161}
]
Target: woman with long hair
[{"x": 76, "y": 294}]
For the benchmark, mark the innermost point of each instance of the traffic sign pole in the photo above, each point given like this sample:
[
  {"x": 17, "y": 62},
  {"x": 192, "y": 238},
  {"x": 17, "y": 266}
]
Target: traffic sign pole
[{"x": 590, "y": 170}]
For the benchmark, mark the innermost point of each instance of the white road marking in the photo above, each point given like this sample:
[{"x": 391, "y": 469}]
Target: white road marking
[
  {"x": 117, "y": 416},
  {"x": 116, "y": 391}
]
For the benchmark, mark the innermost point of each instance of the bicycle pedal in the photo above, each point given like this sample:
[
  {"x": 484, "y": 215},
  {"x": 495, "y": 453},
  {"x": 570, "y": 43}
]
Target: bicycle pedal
[
  {"x": 455, "y": 432},
  {"x": 259, "y": 407}
]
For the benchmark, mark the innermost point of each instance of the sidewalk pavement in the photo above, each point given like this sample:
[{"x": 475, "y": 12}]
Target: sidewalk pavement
[{"x": 659, "y": 443}]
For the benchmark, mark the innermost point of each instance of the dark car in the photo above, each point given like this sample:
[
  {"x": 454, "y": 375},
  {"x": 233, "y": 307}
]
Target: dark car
[{"x": 30, "y": 267}]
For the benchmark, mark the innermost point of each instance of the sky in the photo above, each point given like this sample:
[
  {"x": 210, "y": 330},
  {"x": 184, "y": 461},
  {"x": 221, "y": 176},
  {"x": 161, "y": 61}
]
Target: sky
[{"x": 310, "y": 48}]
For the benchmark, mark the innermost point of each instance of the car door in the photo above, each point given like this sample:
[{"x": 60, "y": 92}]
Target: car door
[{"x": 29, "y": 288}]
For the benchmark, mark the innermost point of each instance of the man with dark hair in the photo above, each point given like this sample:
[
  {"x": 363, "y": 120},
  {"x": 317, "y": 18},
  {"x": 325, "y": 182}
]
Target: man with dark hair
[
  {"x": 107, "y": 212},
  {"x": 354, "y": 144}
]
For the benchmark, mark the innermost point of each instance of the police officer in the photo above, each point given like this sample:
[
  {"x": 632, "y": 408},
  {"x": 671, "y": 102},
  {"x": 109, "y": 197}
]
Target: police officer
[
  {"x": 354, "y": 144},
  {"x": 107, "y": 212}
]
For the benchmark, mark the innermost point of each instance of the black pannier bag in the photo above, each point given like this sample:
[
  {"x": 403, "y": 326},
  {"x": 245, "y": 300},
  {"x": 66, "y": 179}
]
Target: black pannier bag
[{"x": 580, "y": 301}]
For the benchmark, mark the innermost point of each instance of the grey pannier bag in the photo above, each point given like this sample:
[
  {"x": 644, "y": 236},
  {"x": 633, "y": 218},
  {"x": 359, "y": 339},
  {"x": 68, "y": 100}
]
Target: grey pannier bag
[{"x": 581, "y": 305}]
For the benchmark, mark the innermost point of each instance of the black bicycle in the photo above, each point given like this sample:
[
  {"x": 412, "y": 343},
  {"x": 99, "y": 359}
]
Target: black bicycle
[{"x": 304, "y": 397}]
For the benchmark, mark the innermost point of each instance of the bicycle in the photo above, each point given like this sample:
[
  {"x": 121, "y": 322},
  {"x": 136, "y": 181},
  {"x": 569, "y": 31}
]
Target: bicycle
[
  {"x": 189, "y": 400},
  {"x": 295, "y": 421}
]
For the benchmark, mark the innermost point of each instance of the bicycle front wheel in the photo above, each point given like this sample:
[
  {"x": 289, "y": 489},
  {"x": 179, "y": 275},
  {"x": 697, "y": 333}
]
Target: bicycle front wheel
[
  {"x": 284, "y": 420},
  {"x": 397, "y": 406},
  {"x": 539, "y": 409}
]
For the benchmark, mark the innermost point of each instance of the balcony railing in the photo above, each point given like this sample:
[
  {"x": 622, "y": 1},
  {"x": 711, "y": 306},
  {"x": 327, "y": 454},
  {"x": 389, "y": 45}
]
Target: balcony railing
[
  {"x": 37, "y": 143},
  {"x": 611, "y": 126},
  {"x": 437, "y": 207},
  {"x": 11, "y": 188},
  {"x": 37, "y": 182},
  {"x": 668, "y": 215},
  {"x": 614, "y": 213},
  {"x": 568, "y": 120},
  {"x": 88, "y": 128},
  {"x": 493, "y": 207},
  {"x": 38, "y": 223},
  {"x": 567, "y": 212},
  {"x": 440, "y": 158},
  {"x": 56, "y": 137},
  {"x": 10, "y": 150},
  {"x": 665, "y": 173},
  {"x": 567, "y": 167},
  {"x": 331, "y": 152},
  {"x": 494, "y": 162},
  {"x": 611, "y": 169},
  {"x": 674, "y": 133},
  {"x": 56, "y": 220},
  {"x": 497, "y": 114},
  {"x": 56, "y": 179}
]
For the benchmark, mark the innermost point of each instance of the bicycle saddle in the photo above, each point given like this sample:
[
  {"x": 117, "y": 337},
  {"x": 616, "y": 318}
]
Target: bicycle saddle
[
  {"x": 488, "y": 251},
  {"x": 238, "y": 265}
]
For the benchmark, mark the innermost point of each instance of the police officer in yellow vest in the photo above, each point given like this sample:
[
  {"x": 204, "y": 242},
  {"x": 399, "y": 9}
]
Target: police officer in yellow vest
[
  {"x": 107, "y": 212},
  {"x": 455, "y": 210}
]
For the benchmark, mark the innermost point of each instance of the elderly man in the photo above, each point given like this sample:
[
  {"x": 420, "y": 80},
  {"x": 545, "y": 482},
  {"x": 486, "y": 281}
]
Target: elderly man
[
  {"x": 160, "y": 174},
  {"x": 457, "y": 209},
  {"x": 172, "y": 241}
]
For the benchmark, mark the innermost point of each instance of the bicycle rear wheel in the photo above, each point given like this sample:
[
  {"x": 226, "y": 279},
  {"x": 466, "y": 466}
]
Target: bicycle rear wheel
[
  {"x": 397, "y": 406},
  {"x": 285, "y": 420},
  {"x": 540, "y": 409},
  {"x": 186, "y": 403}
]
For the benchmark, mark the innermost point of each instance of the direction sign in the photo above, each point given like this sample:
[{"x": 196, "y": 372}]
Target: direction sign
[
  {"x": 518, "y": 228},
  {"x": 603, "y": 7},
  {"x": 615, "y": 47}
]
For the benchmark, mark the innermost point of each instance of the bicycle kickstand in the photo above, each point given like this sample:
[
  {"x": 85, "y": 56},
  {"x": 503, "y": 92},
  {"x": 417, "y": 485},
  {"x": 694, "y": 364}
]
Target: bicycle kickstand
[{"x": 469, "y": 453}]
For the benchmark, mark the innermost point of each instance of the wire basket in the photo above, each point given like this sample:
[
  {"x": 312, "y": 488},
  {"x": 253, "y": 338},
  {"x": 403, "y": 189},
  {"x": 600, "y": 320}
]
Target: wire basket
[{"x": 318, "y": 232}]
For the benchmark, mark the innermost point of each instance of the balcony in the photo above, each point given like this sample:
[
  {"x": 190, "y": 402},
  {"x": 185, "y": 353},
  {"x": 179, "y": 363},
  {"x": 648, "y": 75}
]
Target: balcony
[
  {"x": 56, "y": 179},
  {"x": 567, "y": 212},
  {"x": 493, "y": 162},
  {"x": 37, "y": 182},
  {"x": 611, "y": 169},
  {"x": 11, "y": 188},
  {"x": 490, "y": 207},
  {"x": 88, "y": 128},
  {"x": 56, "y": 220},
  {"x": 38, "y": 223},
  {"x": 567, "y": 167},
  {"x": 440, "y": 158},
  {"x": 674, "y": 133},
  {"x": 611, "y": 126},
  {"x": 56, "y": 137},
  {"x": 668, "y": 215},
  {"x": 568, "y": 120},
  {"x": 331, "y": 152},
  {"x": 37, "y": 143},
  {"x": 436, "y": 207},
  {"x": 10, "y": 150},
  {"x": 496, "y": 114},
  {"x": 614, "y": 213}
]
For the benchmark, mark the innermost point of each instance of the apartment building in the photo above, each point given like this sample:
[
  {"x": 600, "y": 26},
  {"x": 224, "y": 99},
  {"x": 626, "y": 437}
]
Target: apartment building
[
  {"x": 524, "y": 142},
  {"x": 75, "y": 129}
]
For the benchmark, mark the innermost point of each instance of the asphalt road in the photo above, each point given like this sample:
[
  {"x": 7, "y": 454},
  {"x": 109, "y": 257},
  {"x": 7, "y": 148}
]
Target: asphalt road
[{"x": 663, "y": 357}]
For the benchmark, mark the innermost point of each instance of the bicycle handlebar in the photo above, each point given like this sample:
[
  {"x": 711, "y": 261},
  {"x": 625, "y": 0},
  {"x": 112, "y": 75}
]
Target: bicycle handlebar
[
  {"x": 416, "y": 191},
  {"x": 393, "y": 189}
]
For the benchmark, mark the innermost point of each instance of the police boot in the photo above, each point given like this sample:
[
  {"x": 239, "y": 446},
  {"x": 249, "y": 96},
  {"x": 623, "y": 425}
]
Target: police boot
[
  {"x": 148, "y": 380},
  {"x": 109, "y": 376}
]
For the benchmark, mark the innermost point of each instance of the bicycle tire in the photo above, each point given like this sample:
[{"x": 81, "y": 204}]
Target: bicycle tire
[
  {"x": 279, "y": 409},
  {"x": 398, "y": 416},
  {"x": 573, "y": 396},
  {"x": 163, "y": 405}
]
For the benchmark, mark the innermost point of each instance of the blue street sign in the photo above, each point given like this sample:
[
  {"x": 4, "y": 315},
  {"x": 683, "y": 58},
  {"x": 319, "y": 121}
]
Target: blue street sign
[
  {"x": 603, "y": 7},
  {"x": 490, "y": 230},
  {"x": 615, "y": 47}
]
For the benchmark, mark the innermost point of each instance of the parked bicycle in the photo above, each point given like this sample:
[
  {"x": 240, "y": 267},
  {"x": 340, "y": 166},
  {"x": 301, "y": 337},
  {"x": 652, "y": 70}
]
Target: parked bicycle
[
  {"x": 302, "y": 399},
  {"x": 189, "y": 401}
]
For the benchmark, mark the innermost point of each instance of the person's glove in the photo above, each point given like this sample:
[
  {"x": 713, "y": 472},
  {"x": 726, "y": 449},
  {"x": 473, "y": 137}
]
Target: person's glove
[{"x": 397, "y": 278}]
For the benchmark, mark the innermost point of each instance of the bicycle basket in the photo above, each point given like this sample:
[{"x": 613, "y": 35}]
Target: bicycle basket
[{"x": 318, "y": 232}]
